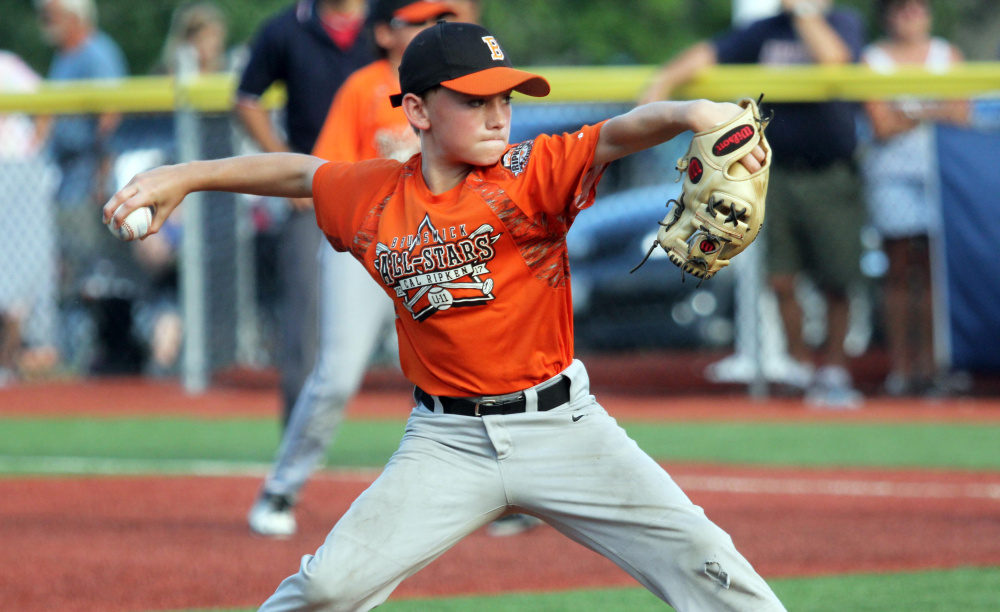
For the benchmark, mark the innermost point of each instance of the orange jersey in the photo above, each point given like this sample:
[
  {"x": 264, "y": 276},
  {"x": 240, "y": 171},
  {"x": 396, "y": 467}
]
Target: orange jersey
[
  {"x": 479, "y": 274},
  {"x": 362, "y": 124}
]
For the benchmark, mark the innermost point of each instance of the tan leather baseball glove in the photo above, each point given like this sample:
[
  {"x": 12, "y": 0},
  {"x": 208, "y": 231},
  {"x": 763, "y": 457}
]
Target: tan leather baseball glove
[{"x": 721, "y": 206}]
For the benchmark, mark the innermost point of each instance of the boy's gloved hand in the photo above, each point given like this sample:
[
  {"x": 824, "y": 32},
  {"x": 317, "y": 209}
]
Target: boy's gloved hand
[{"x": 721, "y": 207}]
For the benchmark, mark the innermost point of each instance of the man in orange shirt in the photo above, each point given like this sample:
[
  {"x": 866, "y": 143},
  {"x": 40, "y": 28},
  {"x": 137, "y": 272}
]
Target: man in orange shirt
[
  {"x": 361, "y": 124},
  {"x": 468, "y": 238}
]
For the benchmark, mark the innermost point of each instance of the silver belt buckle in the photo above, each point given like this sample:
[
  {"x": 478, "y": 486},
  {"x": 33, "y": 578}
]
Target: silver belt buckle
[
  {"x": 485, "y": 403},
  {"x": 496, "y": 402}
]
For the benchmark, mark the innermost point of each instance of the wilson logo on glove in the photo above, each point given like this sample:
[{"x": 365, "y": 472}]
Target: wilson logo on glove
[
  {"x": 721, "y": 206},
  {"x": 732, "y": 140}
]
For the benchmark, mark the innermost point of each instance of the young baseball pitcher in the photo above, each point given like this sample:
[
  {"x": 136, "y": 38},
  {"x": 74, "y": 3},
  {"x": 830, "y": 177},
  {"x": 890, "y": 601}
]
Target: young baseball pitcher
[
  {"x": 468, "y": 239},
  {"x": 362, "y": 124}
]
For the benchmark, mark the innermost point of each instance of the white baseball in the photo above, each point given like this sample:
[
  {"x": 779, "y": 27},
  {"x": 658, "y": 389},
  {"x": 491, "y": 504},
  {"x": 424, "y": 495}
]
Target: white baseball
[{"x": 136, "y": 224}]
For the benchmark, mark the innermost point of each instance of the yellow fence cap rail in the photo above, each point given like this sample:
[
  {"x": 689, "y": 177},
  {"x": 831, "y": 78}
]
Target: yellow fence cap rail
[
  {"x": 215, "y": 93},
  {"x": 780, "y": 84}
]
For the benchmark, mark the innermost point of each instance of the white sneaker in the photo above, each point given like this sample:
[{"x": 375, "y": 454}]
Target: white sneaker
[
  {"x": 833, "y": 389},
  {"x": 798, "y": 374},
  {"x": 512, "y": 524},
  {"x": 271, "y": 516}
]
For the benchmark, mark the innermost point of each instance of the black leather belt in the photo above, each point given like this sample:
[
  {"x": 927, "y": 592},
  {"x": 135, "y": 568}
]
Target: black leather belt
[{"x": 550, "y": 397}]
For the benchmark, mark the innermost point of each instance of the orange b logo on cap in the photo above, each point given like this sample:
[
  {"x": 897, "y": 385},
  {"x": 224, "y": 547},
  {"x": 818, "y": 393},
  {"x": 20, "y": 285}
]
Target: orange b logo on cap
[{"x": 495, "y": 51}]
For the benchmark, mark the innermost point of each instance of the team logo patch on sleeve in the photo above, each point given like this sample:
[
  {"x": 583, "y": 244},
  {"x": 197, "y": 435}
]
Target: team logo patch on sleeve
[{"x": 516, "y": 159}]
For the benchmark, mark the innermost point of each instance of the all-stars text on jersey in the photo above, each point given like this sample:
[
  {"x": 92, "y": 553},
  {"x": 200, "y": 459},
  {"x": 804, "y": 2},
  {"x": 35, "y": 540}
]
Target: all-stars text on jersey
[{"x": 442, "y": 273}]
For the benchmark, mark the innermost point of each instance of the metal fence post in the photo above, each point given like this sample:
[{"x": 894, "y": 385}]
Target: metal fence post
[
  {"x": 195, "y": 367},
  {"x": 749, "y": 313},
  {"x": 248, "y": 333},
  {"x": 753, "y": 340}
]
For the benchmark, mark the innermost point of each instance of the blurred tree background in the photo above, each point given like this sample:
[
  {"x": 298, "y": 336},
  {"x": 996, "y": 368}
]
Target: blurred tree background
[{"x": 535, "y": 32}]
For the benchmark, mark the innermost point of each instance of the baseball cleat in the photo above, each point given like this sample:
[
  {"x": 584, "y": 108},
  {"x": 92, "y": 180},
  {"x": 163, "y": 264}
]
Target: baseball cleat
[{"x": 271, "y": 516}]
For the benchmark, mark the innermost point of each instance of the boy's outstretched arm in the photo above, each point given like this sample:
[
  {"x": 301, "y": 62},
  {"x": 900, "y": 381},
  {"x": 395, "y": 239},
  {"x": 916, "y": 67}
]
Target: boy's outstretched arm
[
  {"x": 286, "y": 175},
  {"x": 651, "y": 124}
]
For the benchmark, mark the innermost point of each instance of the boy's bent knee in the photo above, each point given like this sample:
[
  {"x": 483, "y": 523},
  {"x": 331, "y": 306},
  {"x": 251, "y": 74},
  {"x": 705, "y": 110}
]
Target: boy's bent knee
[
  {"x": 720, "y": 577},
  {"x": 707, "y": 543}
]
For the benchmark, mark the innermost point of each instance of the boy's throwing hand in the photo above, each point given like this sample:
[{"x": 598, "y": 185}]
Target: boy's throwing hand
[{"x": 287, "y": 175}]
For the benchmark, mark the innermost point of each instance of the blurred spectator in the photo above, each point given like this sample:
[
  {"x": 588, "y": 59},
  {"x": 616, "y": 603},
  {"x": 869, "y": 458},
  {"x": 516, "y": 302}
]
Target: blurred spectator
[
  {"x": 79, "y": 143},
  {"x": 27, "y": 239},
  {"x": 157, "y": 255},
  {"x": 898, "y": 171},
  {"x": 200, "y": 30},
  {"x": 312, "y": 47},
  {"x": 814, "y": 210},
  {"x": 92, "y": 265},
  {"x": 201, "y": 27},
  {"x": 18, "y": 138}
]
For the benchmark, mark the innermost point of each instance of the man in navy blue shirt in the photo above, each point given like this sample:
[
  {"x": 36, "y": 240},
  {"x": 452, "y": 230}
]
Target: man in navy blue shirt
[
  {"x": 311, "y": 47},
  {"x": 815, "y": 212}
]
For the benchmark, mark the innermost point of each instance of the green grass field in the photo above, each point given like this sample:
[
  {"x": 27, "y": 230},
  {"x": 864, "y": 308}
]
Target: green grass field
[
  {"x": 966, "y": 589},
  {"x": 31, "y": 446},
  {"x": 370, "y": 443}
]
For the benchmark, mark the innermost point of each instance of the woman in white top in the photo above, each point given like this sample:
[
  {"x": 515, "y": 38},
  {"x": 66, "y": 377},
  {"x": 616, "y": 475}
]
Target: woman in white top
[{"x": 898, "y": 175}]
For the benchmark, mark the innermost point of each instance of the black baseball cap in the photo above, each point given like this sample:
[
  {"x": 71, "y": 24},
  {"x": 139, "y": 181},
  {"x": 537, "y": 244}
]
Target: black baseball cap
[
  {"x": 408, "y": 11},
  {"x": 462, "y": 57}
]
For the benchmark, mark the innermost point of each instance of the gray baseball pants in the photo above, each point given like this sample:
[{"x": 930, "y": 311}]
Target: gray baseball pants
[{"x": 573, "y": 466}]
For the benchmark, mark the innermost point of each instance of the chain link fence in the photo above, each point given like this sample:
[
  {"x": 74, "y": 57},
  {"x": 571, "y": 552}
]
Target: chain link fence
[{"x": 213, "y": 286}]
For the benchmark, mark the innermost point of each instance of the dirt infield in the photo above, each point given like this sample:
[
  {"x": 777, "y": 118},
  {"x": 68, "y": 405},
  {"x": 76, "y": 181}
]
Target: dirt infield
[{"x": 135, "y": 544}]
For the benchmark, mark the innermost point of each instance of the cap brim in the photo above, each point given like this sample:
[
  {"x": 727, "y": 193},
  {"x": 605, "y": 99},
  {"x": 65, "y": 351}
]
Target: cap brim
[
  {"x": 421, "y": 12},
  {"x": 493, "y": 81}
]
